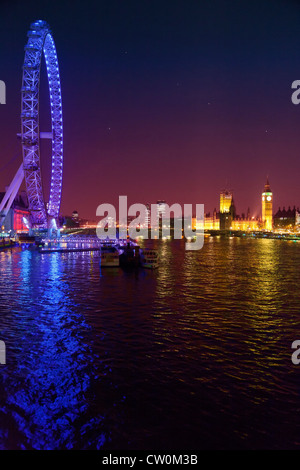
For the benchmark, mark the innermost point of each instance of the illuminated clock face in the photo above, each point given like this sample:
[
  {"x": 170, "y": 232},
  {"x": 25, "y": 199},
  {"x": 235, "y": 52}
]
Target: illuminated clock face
[{"x": 269, "y": 198}]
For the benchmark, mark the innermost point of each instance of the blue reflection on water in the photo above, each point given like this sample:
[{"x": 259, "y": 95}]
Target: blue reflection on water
[{"x": 46, "y": 389}]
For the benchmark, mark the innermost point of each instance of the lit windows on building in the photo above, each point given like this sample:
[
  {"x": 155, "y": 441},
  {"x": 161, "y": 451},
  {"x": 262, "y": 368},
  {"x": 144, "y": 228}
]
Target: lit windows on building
[
  {"x": 267, "y": 207},
  {"x": 225, "y": 201}
]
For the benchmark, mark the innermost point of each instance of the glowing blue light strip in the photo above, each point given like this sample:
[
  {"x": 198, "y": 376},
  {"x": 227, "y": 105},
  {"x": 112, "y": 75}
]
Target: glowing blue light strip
[{"x": 40, "y": 41}]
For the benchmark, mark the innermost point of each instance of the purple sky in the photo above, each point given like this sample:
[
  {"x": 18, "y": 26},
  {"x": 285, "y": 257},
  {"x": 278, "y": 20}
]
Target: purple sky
[{"x": 164, "y": 100}]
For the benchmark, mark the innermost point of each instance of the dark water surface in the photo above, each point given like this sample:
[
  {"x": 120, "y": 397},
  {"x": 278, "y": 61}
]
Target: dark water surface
[{"x": 194, "y": 355}]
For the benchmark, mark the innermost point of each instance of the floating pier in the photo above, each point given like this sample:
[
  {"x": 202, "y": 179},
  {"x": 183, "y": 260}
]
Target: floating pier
[{"x": 73, "y": 244}]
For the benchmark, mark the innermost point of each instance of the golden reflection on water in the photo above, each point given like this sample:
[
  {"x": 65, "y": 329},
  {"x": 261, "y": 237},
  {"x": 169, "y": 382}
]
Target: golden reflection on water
[
  {"x": 166, "y": 283},
  {"x": 230, "y": 295}
]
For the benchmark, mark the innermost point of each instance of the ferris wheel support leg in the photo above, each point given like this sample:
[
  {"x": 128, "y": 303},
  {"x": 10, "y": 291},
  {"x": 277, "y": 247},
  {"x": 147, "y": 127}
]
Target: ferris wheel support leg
[
  {"x": 11, "y": 193},
  {"x": 52, "y": 228}
]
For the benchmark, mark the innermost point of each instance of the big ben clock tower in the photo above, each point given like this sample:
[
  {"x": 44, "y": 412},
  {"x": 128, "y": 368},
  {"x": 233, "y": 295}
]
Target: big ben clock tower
[{"x": 267, "y": 207}]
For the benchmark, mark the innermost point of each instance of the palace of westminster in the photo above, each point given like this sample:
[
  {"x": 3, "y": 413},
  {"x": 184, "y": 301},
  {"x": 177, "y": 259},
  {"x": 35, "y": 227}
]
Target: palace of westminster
[{"x": 227, "y": 219}]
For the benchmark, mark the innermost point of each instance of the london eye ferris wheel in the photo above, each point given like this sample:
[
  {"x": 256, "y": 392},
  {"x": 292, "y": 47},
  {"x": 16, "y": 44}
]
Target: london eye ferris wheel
[
  {"x": 43, "y": 214},
  {"x": 40, "y": 42}
]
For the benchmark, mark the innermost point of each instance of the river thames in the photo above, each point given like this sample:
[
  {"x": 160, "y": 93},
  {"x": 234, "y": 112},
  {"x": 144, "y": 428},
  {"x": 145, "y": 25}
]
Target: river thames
[{"x": 193, "y": 355}]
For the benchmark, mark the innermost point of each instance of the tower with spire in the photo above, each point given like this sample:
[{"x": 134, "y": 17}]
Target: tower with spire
[
  {"x": 225, "y": 209},
  {"x": 267, "y": 207}
]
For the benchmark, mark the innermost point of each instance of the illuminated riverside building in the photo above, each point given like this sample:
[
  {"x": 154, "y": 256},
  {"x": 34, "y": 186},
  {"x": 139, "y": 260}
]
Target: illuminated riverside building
[
  {"x": 287, "y": 219},
  {"x": 148, "y": 216},
  {"x": 211, "y": 222},
  {"x": 267, "y": 207},
  {"x": 227, "y": 219},
  {"x": 246, "y": 224},
  {"x": 225, "y": 201},
  {"x": 18, "y": 214},
  {"x": 161, "y": 209},
  {"x": 227, "y": 210}
]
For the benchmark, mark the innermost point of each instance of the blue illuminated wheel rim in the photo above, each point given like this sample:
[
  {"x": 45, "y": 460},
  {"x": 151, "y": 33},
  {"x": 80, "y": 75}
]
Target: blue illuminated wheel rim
[{"x": 40, "y": 42}]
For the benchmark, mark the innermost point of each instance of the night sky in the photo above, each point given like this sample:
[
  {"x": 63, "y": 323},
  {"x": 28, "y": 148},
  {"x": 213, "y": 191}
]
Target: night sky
[{"x": 169, "y": 100}]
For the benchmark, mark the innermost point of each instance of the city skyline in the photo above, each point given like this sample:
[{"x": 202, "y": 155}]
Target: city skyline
[
  {"x": 219, "y": 205},
  {"x": 194, "y": 100},
  {"x": 224, "y": 218}
]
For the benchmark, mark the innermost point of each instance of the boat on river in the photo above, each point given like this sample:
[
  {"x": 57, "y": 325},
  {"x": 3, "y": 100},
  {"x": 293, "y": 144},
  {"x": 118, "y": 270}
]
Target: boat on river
[
  {"x": 109, "y": 256},
  {"x": 130, "y": 255},
  {"x": 149, "y": 258},
  {"x": 6, "y": 242}
]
